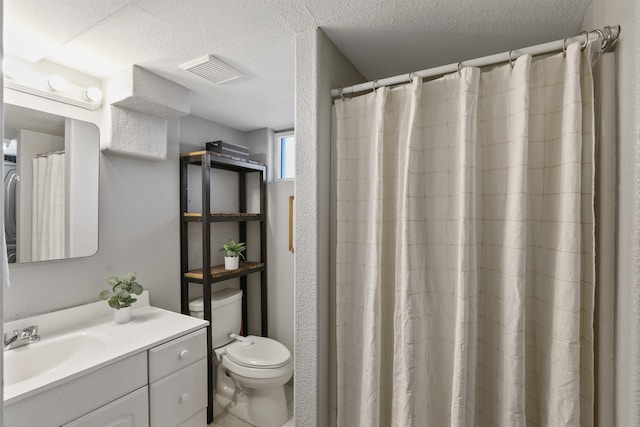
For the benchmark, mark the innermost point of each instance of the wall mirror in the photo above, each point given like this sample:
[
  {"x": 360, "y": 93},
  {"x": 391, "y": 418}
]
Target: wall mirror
[{"x": 51, "y": 182}]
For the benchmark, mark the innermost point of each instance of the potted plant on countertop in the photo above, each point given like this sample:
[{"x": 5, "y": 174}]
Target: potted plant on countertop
[
  {"x": 233, "y": 251},
  {"x": 120, "y": 297}
]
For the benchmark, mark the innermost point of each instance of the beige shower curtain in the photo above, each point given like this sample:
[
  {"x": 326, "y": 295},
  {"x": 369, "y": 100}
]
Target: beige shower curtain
[
  {"x": 49, "y": 207},
  {"x": 465, "y": 248}
]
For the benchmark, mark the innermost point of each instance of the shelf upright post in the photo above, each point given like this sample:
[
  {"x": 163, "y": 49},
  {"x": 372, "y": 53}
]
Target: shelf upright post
[
  {"x": 184, "y": 247},
  {"x": 242, "y": 231},
  {"x": 206, "y": 272},
  {"x": 263, "y": 252}
]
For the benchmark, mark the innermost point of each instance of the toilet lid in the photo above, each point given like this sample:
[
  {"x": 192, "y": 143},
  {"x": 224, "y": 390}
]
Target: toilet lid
[{"x": 262, "y": 353}]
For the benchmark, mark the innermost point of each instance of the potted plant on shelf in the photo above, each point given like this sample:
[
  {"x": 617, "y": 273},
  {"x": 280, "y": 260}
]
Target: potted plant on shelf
[
  {"x": 233, "y": 251},
  {"x": 120, "y": 297}
]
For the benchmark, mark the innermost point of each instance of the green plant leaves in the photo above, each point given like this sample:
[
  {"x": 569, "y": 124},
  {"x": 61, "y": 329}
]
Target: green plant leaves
[
  {"x": 136, "y": 288},
  {"x": 122, "y": 288},
  {"x": 233, "y": 248}
]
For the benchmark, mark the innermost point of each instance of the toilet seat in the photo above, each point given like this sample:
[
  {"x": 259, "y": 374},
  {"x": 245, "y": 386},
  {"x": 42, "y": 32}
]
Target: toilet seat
[{"x": 258, "y": 353}]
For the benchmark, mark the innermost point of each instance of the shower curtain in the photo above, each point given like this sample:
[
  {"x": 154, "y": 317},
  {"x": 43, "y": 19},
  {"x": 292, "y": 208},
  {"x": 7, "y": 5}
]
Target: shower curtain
[
  {"x": 48, "y": 224},
  {"x": 465, "y": 248}
]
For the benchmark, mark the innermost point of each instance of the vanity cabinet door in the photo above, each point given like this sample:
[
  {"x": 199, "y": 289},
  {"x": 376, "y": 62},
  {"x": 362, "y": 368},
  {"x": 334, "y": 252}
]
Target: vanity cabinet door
[{"x": 131, "y": 410}]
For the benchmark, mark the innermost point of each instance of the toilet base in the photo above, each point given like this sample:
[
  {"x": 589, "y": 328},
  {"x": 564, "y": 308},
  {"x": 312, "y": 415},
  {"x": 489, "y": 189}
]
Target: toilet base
[{"x": 266, "y": 415}]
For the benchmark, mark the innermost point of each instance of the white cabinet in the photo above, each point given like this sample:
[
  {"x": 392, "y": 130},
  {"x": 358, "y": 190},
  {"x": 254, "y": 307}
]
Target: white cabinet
[
  {"x": 131, "y": 410},
  {"x": 165, "y": 385}
]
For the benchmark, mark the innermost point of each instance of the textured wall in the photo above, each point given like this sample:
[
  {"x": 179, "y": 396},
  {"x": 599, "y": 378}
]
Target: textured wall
[
  {"x": 627, "y": 318},
  {"x": 320, "y": 66}
]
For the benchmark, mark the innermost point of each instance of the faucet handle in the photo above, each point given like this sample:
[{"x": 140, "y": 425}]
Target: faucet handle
[{"x": 30, "y": 331}]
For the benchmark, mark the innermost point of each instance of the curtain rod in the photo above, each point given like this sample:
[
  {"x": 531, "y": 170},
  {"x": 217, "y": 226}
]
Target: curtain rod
[{"x": 608, "y": 35}]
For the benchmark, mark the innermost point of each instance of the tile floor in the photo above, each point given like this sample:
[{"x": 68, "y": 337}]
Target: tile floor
[{"x": 223, "y": 419}]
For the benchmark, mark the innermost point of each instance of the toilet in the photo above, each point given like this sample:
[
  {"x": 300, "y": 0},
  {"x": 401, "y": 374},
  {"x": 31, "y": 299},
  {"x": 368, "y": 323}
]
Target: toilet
[{"x": 251, "y": 371}]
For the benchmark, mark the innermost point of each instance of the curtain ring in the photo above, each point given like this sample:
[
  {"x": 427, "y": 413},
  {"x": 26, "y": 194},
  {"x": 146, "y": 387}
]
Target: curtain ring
[
  {"x": 564, "y": 47},
  {"x": 411, "y": 76},
  {"x": 341, "y": 93},
  {"x": 586, "y": 39},
  {"x": 511, "y": 60},
  {"x": 374, "y": 85},
  {"x": 459, "y": 68}
]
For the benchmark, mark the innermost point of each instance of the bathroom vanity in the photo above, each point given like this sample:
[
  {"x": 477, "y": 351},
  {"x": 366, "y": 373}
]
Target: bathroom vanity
[{"x": 87, "y": 371}]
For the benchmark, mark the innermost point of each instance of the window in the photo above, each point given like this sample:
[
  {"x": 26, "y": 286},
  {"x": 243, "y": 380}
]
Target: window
[{"x": 285, "y": 155}]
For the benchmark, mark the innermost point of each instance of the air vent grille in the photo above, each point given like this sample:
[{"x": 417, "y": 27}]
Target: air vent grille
[{"x": 211, "y": 68}]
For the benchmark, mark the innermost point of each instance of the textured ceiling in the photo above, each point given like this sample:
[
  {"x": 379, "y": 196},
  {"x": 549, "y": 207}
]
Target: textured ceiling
[{"x": 257, "y": 37}]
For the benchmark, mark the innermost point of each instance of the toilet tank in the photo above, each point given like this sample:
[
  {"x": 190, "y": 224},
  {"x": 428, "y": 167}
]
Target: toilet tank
[{"x": 226, "y": 314}]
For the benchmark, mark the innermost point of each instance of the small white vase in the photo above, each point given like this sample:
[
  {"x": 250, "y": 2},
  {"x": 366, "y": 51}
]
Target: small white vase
[
  {"x": 231, "y": 262},
  {"x": 122, "y": 315}
]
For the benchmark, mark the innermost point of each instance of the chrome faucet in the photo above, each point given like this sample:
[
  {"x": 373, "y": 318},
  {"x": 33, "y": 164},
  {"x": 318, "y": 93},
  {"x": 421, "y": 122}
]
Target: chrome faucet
[{"x": 21, "y": 337}]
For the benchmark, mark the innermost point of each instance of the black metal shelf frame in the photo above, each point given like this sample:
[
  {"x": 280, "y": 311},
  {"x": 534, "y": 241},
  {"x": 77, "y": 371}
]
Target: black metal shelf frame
[{"x": 207, "y": 161}]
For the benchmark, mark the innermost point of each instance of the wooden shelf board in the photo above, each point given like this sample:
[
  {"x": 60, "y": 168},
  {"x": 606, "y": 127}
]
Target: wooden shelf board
[
  {"x": 218, "y": 271},
  {"x": 224, "y": 217}
]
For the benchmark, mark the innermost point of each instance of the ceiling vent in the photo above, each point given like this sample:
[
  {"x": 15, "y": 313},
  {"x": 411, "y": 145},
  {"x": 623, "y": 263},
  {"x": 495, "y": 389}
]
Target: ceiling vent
[{"x": 211, "y": 68}]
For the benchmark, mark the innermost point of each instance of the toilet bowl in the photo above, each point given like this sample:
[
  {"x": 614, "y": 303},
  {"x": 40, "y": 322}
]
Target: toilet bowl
[
  {"x": 259, "y": 370},
  {"x": 250, "y": 371}
]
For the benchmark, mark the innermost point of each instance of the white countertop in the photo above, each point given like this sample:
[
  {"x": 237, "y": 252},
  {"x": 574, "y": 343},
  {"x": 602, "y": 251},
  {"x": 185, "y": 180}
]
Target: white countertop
[{"x": 149, "y": 327}]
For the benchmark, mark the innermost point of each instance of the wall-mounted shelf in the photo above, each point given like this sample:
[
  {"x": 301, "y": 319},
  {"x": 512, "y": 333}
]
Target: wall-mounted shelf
[{"x": 207, "y": 160}]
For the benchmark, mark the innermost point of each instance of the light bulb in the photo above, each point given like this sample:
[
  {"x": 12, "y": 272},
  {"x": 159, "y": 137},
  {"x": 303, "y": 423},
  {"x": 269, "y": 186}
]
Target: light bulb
[
  {"x": 58, "y": 83},
  {"x": 93, "y": 94}
]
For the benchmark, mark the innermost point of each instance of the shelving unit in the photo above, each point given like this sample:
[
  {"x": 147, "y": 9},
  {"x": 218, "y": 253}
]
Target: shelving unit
[{"x": 208, "y": 160}]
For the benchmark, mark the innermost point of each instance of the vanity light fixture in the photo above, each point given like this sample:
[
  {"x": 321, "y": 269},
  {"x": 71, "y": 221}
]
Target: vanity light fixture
[
  {"x": 57, "y": 83},
  {"x": 72, "y": 96},
  {"x": 27, "y": 78}
]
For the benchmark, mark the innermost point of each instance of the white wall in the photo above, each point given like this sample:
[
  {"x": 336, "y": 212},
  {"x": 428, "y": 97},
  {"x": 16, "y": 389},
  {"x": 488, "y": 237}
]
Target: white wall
[
  {"x": 320, "y": 66},
  {"x": 627, "y": 348},
  {"x": 279, "y": 260},
  {"x": 280, "y": 273}
]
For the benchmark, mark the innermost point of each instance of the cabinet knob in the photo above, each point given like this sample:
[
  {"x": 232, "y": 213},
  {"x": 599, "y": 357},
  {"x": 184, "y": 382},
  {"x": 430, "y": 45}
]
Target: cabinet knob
[
  {"x": 184, "y": 354},
  {"x": 184, "y": 397}
]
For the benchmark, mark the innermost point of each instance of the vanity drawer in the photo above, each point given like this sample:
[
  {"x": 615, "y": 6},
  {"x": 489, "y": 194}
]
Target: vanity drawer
[
  {"x": 169, "y": 357},
  {"x": 72, "y": 399},
  {"x": 178, "y": 397}
]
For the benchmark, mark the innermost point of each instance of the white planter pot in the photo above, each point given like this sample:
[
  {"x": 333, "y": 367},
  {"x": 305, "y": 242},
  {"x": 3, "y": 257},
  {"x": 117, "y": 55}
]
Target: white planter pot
[
  {"x": 122, "y": 315},
  {"x": 231, "y": 262}
]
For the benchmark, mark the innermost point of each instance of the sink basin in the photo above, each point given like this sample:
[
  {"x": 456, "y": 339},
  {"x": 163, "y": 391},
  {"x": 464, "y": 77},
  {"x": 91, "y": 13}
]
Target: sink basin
[{"x": 49, "y": 355}]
